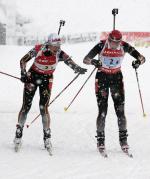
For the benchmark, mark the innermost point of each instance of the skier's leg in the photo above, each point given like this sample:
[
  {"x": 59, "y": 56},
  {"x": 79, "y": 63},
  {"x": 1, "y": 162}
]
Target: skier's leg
[
  {"x": 102, "y": 92},
  {"x": 28, "y": 94},
  {"x": 29, "y": 91},
  {"x": 44, "y": 101},
  {"x": 117, "y": 92},
  {"x": 45, "y": 92},
  {"x": 18, "y": 137}
]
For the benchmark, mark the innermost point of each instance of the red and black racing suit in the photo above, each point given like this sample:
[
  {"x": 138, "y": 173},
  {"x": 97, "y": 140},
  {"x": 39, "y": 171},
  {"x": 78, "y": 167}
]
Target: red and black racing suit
[
  {"x": 40, "y": 75},
  {"x": 109, "y": 77}
]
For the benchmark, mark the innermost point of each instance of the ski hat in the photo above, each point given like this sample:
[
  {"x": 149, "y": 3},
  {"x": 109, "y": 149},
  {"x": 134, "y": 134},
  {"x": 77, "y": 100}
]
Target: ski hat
[
  {"x": 115, "y": 36},
  {"x": 54, "y": 39}
]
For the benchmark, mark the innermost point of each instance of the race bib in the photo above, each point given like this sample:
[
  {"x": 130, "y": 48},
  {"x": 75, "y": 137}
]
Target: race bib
[{"x": 111, "y": 62}]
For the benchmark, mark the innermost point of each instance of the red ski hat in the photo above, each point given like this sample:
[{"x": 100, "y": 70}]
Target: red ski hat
[{"x": 115, "y": 36}]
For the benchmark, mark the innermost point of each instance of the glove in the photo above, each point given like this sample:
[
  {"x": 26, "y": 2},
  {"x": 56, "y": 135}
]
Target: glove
[
  {"x": 141, "y": 59},
  {"x": 136, "y": 64},
  {"x": 80, "y": 70},
  {"x": 24, "y": 76},
  {"x": 96, "y": 63}
]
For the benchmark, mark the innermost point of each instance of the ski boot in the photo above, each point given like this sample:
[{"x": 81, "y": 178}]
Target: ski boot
[
  {"x": 47, "y": 142},
  {"x": 101, "y": 143},
  {"x": 123, "y": 140},
  {"x": 124, "y": 144},
  {"x": 18, "y": 137}
]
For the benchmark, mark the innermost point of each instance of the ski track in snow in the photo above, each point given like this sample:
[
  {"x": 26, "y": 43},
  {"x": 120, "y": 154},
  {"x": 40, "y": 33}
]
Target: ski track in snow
[{"x": 75, "y": 155}]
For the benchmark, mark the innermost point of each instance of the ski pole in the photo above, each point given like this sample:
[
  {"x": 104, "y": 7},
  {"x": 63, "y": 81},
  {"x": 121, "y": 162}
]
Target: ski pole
[
  {"x": 55, "y": 98},
  {"x": 61, "y": 23},
  {"x": 66, "y": 108},
  {"x": 144, "y": 114},
  {"x": 114, "y": 12},
  {"x": 64, "y": 89},
  {"x": 9, "y": 75}
]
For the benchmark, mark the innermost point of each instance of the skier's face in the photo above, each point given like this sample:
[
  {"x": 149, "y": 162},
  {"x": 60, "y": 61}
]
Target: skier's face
[
  {"x": 114, "y": 44},
  {"x": 54, "y": 49}
]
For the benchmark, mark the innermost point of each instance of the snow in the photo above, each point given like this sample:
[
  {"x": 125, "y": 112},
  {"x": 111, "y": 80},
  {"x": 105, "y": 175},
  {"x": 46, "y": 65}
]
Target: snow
[{"x": 73, "y": 132}]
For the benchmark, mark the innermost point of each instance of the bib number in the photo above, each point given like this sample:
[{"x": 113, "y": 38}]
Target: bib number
[{"x": 111, "y": 62}]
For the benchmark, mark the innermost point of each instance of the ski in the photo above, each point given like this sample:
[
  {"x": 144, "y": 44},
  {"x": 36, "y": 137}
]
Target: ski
[
  {"x": 48, "y": 146},
  {"x": 103, "y": 152},
  {"x": 17, "y": 147},
  {"x": 17, "y": 143},
  {"x": 49, "y": 150},
  {"x": 127, "y": 152}
]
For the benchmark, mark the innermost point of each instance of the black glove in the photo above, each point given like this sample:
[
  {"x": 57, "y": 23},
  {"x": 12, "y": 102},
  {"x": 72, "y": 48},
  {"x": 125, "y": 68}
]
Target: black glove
[
  {"x": 24, "y": 77},
  {"x": 96, "y": 63},
  {"x": 80, "y": 70},
  {"x": 136, "y": 64}
]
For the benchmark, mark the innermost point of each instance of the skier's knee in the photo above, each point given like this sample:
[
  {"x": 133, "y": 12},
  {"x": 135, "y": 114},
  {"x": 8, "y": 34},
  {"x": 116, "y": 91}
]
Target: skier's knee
[{"x": 43, "y": 109}]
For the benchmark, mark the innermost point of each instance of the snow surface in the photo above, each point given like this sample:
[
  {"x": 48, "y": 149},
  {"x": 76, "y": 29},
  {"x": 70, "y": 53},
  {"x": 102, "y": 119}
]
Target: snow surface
[{"x": 74, "y": 146}]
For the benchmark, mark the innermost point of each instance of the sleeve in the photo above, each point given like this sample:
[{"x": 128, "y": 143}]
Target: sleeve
[
  {"x": 93, "y": 52},
  {"x": 32, "y": 53},
  {"x": 67, "y": 60},
  {"x": 133, "y": 52}
]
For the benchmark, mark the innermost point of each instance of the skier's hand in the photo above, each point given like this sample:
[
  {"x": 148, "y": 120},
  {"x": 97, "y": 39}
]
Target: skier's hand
[
  {"x": 96, "y": 63},
  {"x": 80, "y": 70},
  {"x": 142, "y": 59},
  {"x": 24, "y": 76},
  {"x": 136, "y": 64}
]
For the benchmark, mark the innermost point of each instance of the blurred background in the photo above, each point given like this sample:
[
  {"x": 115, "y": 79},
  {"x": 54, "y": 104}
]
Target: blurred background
[{"x": 26, "y": 22}]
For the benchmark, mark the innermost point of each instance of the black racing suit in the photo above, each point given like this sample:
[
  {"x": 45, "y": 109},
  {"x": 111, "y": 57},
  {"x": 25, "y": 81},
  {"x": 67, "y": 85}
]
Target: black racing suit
[
  {"x": 110, "y": 81},
  {"x": 44, "y": 82}
]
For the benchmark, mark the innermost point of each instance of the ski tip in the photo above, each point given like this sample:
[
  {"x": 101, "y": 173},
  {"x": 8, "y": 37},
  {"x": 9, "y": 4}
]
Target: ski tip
[
  {"x": 127, "y": 152},
  {"x": 131, "y": 156},
  {"x": 105, "y": 156},
  {"x": 65, "y": 109},
  {"x": 50, "y": 154},
  {"x": 49, "y": 150},
  {"x": 103, "y": 153}
]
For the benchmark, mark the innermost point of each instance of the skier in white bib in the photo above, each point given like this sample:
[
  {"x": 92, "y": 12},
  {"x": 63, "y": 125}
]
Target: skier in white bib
[{"x": 109, "y": 77}]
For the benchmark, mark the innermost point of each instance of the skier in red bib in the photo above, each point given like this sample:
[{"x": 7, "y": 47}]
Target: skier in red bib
[
  {"x": 109, "y": 77},
  {"x": 46, "y": 57}
]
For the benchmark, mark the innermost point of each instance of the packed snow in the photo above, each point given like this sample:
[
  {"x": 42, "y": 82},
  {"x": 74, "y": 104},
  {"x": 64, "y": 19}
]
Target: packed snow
[{"x": 75, "y": 155}]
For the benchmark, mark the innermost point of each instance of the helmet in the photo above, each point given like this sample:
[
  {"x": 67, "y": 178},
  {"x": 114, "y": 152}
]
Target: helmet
[
  {"x": 54, "y": 39},
  {"x": 115, "y": 36}
]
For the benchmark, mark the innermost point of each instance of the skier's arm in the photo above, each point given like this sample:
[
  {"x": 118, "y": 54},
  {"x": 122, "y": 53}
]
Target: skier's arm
[
  {"x": 32, "y": 53},
  {"x": 88, "y": 59},
  {"x": 24, "y": 75},
  {"x": 140, "y": 59},
  {"x": 68, "y": 61}
]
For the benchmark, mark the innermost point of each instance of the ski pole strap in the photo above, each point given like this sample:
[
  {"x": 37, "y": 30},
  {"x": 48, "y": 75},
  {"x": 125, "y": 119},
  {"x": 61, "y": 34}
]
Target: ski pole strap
[
  {"x": 9, "y": 75},
  {"x": 66, "y": 108}
]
